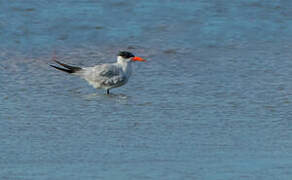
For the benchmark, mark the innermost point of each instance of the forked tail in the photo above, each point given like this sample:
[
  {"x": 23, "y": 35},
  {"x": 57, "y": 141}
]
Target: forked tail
[{"x": 67, "y": 69}]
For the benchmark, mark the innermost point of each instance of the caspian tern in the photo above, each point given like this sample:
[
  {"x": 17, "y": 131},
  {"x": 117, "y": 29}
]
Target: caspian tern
[{"x": 105, "y": 76}]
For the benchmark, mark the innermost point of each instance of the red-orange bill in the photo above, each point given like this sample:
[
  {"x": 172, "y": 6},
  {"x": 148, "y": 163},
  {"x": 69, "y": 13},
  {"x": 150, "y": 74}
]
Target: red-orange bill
[{"x": 136, "y": 58}]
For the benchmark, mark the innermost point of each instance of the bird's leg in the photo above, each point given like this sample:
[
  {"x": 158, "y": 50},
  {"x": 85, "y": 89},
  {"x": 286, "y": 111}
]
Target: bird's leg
[{"x": 107, "y": 91}]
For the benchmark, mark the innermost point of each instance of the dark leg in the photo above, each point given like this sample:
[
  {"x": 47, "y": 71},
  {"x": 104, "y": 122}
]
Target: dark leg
[{"x": 107, "y": 91}]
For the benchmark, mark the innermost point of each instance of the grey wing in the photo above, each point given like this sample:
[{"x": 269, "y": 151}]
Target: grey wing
[
  {"x": 112, "y": 76},
  {"x": 109, "y": 71},
  {"x": 105, "y": 75}
]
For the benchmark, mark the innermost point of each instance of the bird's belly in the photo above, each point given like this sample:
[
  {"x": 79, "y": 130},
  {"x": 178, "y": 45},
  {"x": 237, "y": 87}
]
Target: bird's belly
[
  {"x": 114, "y": 84},
  {"x": 108, "y": 83}
]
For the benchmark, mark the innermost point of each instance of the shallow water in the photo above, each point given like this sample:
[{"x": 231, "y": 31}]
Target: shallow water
[{"x": 212, "y": 102}]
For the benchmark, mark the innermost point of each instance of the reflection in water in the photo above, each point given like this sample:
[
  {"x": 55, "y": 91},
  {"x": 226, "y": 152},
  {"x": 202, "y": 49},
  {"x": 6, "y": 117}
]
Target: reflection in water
[{"x": 111, "y": 96}]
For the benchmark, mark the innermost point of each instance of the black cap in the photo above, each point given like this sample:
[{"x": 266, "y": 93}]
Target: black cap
[{"x": 125, "y": 54}]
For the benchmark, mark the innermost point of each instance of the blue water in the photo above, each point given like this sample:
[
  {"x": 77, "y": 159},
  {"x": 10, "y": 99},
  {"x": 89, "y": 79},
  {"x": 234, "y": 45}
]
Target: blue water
[{"x": 213, "y": 102}]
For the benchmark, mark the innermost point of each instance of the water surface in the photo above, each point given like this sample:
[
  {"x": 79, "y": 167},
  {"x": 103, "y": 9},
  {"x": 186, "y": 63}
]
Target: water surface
[{"x": 212, "y": 102}]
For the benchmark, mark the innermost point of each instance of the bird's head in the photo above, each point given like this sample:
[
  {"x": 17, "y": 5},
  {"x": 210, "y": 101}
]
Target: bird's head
[{"x": 125, "y": 56}]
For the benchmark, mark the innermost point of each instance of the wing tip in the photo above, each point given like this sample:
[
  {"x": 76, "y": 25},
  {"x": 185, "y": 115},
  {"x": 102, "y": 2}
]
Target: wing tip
[{"x": 62, "y": 69}]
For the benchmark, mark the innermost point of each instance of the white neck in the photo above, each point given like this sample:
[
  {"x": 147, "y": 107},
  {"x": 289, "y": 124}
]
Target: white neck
[
  {"x": 121, "y": 60},
  {"x": 125, "y": 65}
]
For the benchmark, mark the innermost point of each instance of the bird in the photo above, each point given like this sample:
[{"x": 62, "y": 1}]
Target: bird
[{"x": 104, "y": 76}]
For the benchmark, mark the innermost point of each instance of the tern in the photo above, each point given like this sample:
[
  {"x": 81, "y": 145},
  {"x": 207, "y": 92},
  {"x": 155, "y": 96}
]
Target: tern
[{"x": 104, "y": 76}]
